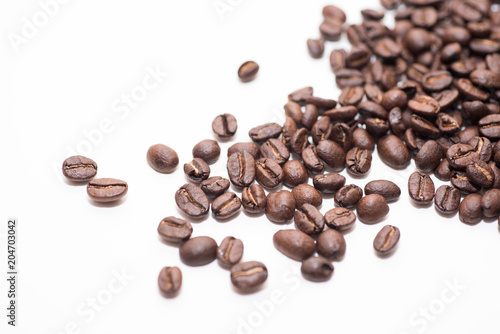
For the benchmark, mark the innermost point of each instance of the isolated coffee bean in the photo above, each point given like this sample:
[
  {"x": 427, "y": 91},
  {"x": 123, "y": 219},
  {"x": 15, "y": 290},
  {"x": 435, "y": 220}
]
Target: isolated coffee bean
[
  {"x": 274, "y": 149},
  {"x": 299, "y": 141},
  {"x": 386, "y": 240},
  {"x": 253, "y": 199},
  {"x": 305, "y": 193},
  {"x": 192, "y": 200},
  {"x": 470, "y": 210},
  {"x": 421, "y": 188},
  {"x": 225, "y": 125},
  {"x": 198, "y": 251},
  {"x": 248, "y": 70},
  {"x": 389, "y": 190},
  {"x": 252, "y": 148},
  {"x": 300, "y": 94},
  {"x": 358, "y": 161},
  {"x": 393, "y": 152},
  {"x": 170, "y": 281},
  {"x": 289, "y": 129},
  {"x": 428, "y": 157},
  {"x": 241, "y": 169},
  {"x": 328, "y": 183},
  {"x": 447, "y": 199},
  {"x": 309, "y": 220},
  {"x": 332, "y": 154},
  {"x": 197, "y": 170},
  {"x": 226, "y": 205},
  {"x": 312, "y": 160},
  {"x": 461, "y": 155},
  {"x": 480, "y": 173},
  {"x": 331, "y": 30},
  {"x": 372, "y": 208},
  {"x": 294, "y": 173},
  {"x": 268, "y": 172},
  {"x": 316, "y": 48},
  {"x": 340, "y": 218},
  {"x": 230, "y": 251},
  {"x": 348, "y": 195},
  {"x": 174, "y": 229},
  {"x": 215, "y": 186},
  {"x": 248, "y": 276},
  {"x": 317, "y": 269},
  {"x": 106, "y": 190},
  {"x": 462, "y": 182},
  {"x": 162, "y": 158},
  {"x": 331, "y": 245},
  {"x": 295, "y": 244},
  {"x": 489, "y": 126},
  {"x": 280, "y": 206},
  {"x": 264, "y": 132},
  {"x": 490, "y": 203},
  {"x": 363, "y": 140},
  {"x": 208, "y": 150},
  {"x": 79, "y": 169},
  {"x": 332, "y": 13}
]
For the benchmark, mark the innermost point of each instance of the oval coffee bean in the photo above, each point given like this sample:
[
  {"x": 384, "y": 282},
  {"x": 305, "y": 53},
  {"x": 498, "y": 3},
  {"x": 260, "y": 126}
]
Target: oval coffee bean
[
  {"x": 197, "y": 170},
  {"x": 489, "y": 126},
  {"x": 230, "y": 251},
  {"x": 294, "y": 111},
  {"x": 268, "y": 172},
  {"x": 225, "y": 125},
  {"x": 106, "y": 190},
  {"x": 170, "y": 281},
  {"x": 351, "y": 96},
  {"x": 310, "y": 116},
  {"x": 421, "y": 188},
  {"x": 294, "y": 173},
  {"x": 79, "y": 168},
  {"x": 289, "y": 129},
  {"x": 247, "y": 276},
  {"x": 358, "y": 161},
  {"x": 490, "y": 203},
  {"x": 254, "y": 199},
  {"x": 340, "y": 218},
  {"x": 372, "y": 208},
  {"x": 300, "y": 94},
  {"x": 443, "y": 171},
  {"x": 348, "y": 195},
  {"x": 241, "y": 169},
  {"x": 192, "y": 200},
  {"x": 331, "y": 245},
  {"x": 198, "y": 251},
  {"x": 316, "y": 47},
  {"x": 276, "y": 150},
  {"x": 248, "y": 70},
  {"x": 363, "y": 140},
  {"x": 309, "y": 220},
  {"x": 174, "y": 229},
  {"x": 316, "y": 269},
  {"x": 328, "y": 183},
  {"x": 265, "y": 132},
  {"x": 342, "y": 114},
  {"x": 437, "y": 81},
  {"x": 312, "y": 160},
  {"x": 342, "y": 135},
  {"x": 299, "y": 141},
  {"x": 305, "y": 193},
  {"x": 482, "y": 146},
  {"x": 461, "y": 181},
  {"x": 321, "y": 130},
  {"x": 162, "y": 158},
  {"x": 428, "y": 157},
  {"x": 470, "y": 210},
  {"x": 393, "y": 152},
  {"x": 280, "y": 206},
  {"x": 208, "y": 150},
  {"x": 332, "y": 154},
  {"x": 389, "y": 190},
  {"x": 226, "y": 205},
  {"x": 461, "y": 155},
  {"x": 320, "y": 103},
  {"x": 447, "y": 199},
  {"x": 252, "y": 148},
  {"x": 485, "y": 78},
  {"x": 386, "y": 240},
  {"x": 295, "y": 244},
  {"x": 215, "y": 186},
  {"x": 480, "y": 173}
]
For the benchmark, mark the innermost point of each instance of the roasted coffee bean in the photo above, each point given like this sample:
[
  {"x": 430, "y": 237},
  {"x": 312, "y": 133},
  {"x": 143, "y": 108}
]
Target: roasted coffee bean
[
  {"x": 305, "y": 193},
  {"x": 294, "y": 173},
  {"x": 389, "y": 190},
  {"x": 349, "y": 77},
  {"x": 363, "y": 140},
  {"x": 320, "y": 103},
  {"x": 248, "y": 70},
  {"x": 208, "y": 150},
  {"x": 447, "y": 199},
  {"x": 428, "y": 157},
  {"x": 280, "y": 206},
  {"x": 300, "y": 94},
  {"x": 467, "y": 88},
  {"x": 461, "y": 181},
  {"x": 387, "y": 49},
  {"x": 425, "y": 17},
  {"x": 215, "y": 186},
  {"x": 299, "y": 141},
  {"x": 316, "y": 48},
  {"x": 342, "y": 114},
  {"x": 493, "y": 62},
  {"x": 174, "y": 229},
  {"x": 106, "y": 190},
  {"x": 264, "y": 132},
  {"x": 489, "y": 126},
  {"x": 480, "y": 173},
  {"x": 332, "y": 154},
  {"x": 373, "y": 93},
  {"x": 418, "y": 40},
  {"x": 268, "y": 172},
  {"x": 342, "y": 135},
  {"x": 317, "y": 269},
  {"x": 331, "y": 245},
  {"x": 197, "y": 170},
  {"x": 450, "y": 53},
  {"x": 254, "y": 199},
  {"x": 386, "y": 240},
  {"x": 376, "y": 127},
  {"x": 248, "y": 276},
  {"x": 340, "y": 218},
  {"x": 170, "y": 281},
  {"x": 461, "y": 155},
  {"x": 241, "y": 169},
  {"x": 348, "y": 195},
  {"x": 372, "y": 208},
  {"x": 162, "y": 158},
  {"x": 358, "y": 161},
  {"x": 250, "y": 147},
  {"x": 230, "y": 251},
  {"x": 295, "y": 244},
  {"x": 393, "y": 152},
  {"x": 490, "y": 203},
  {"x": 390, "y": 4},
  {"x": 443, "y": 171},
  {"x": 294, "y": 111},
  {"x": 470, "y": 210},
  {"x": 484, "y": 46},
  {"x": 337, "y": 60},
  {"x": 413, "y": 143},
  {"x": 416, "y": 72},
  {"x": 447, "y": 124},
  {"x": 332, "y": 13},
  {"x": 192, "y": 200},
  {"x": 396, "y": 122},
  {"x": 289, "y": 129},
  {"x": 198, "y": 251},
  {"x": 331, "y": 30},
  {"x": 421, "y": 188},
  {"x": 445, "y": 143},
  {"x": 394, "y": 98},
  {"x": 468, "y": 133},
  {"x": 447, "y": 98},
  {"x": 436, "y": 81},
  {"x": 423, "y": 127},
  {"x": 371, "y": 109},
  {"x": 79, "y": 169},
  {"x": 456, "y": 34},
  {"x": 321, "y": 130},
  {"x": 309, "y": 220},
  {"x": 312, "y": 160},
  {"x": 225, "y": 125},
  {"x": 474, "y": 110},
  {"x": 310, "y": 116},
  {"x": 496, "y": 172},
  {"x": 226, "y": 205},
  {"x": 351, "y": 96},
  {"x": 328, "y": 183},
  {"x": 372, "y": 15},
  {"x": 424, "y": 106}
]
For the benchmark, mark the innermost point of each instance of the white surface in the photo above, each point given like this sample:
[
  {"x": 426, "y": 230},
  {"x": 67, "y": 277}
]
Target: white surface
[{"x": 66, "y": 79}]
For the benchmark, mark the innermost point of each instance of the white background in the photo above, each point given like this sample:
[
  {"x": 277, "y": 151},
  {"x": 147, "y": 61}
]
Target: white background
[{"x": 69, "y": 77}]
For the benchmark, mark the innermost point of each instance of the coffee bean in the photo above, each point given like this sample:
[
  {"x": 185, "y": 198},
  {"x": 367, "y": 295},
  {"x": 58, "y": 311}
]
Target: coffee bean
[
  {"x": 447, "y": 199},
  {"x": 300, "y": 94},
  {"x": 470, "y": 210},
  {"x": 342, "y": 114},
  {"x": 489, "y": 126},
  {"x": 447, "y": 124},
  {"x": 394, "y": 98},
  {"x": 496, "y": 172},
  {"x": 386, "y": 240},
  {"x": 348, "y": 195},
  {"x": 198, "y": 251},
  {"x": 320, "y": 103},
  {"x": 275, "y": 150},
  {"x": 424, "y": 106},
  {"x": 340, "y": 218},
  {"x": 226, "y": 205},
  {"x": 230, "y": 251},
  {"x": 363, "y": 140},
  {"x": 456, "y": 35},
  {"x": 373, "y": 93},
  {"x": 332, "y": 13},
  {"x": 428, "y": 157},
  {"x": 413, "y": 143},
  {"x": 425, "y": 17},
  {"x": 462, "y": 182},
  {"x": 248, "y": 70},
  {"x": 376, "y": 127},
  {"x": 349, "y": 77},
  {"x": 332, "y": 154},
  {"x": 192, "y": 200},
  {"x": 310, "y": 116},
  {"x": 451, "y": 52},
  {"x": 79, "y": 169},
  {"x": 467, "y": 134},
  {"x": 485, "y": 78},
  {"x": 317, "y": 269},
  {"x": 289, "y": 129},
  {"x": 342, "y": 135},
  {"x": 294, "y": 173},
  {"x": 370, "y": 14},
  {"x": 331, "y": 245},
  {"x": 421, "y": 188},
  {"x": 170, "y": 281},
  {"x": 371, "y": 109},
  {"x": 251, "y": 148},
  {"x": 467, "y": 88},
  {"x": 225, "y": 125},
  {"x": 437, "y": 81},
  {"x": 393, "y": 152},
  {"x": 480, "y": 173},
  {"x": 390, "y": 4},
  {"x": 264, "y": 132},
  {"x": 418, "y": 40},
  {"x": 372, "y": 208},
  {"x": 490, "y": 203},
  {"x": 174, "y": 229},
  {"x": 280, "y": 206},
  {"x": 248, "y": 276},
  {"x": 461, "y": 155},
  {"x": 305, "y": 193},
  {"x": 268, "y": 172},
  {"x": 309, "y": 220},
  {"x": 312, "y": 160},
  {"x": 215, "y": 186},
  {"x": 294, "y": 111},
  {"x": 351, "y": 96},
  {"x": 443, "y": 171},
  {"x": 106, "y": 190},
  {"x": 484, "y": 46},
  {"x": 208, "y": 150},
  {"x": 474, "y": 110},
  {"x": 331, "y": 30},
  {"x": 387, "y": 49},
  {"x": 321, "y": 130},
  {"x": 328, "y": 183},
  {"x": 423, "y": 127},
  {"x": 197, "y": 170},
  {"x": 359, "y": 56},
  {"x": 447, "y": 98},
  {"x": 358, "y": 161},
  {"x": 389, "y": 190},
  {"x": 338, "y": 60},
  {"x": 295, "y": 244},
  {"x": 241, "y": 169},
  {"x": 253, "y": 199},
  {"x": 162, "y": 158},
  {"x": 316, "y": 48},
  {"x": 299, "y": 141}
]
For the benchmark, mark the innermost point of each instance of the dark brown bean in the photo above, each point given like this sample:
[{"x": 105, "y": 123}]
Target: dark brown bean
[
  {"x": 299, "y": 141},
  {"x": 443, "y": 171},
  {"x": 316, "y": 48},
  {"x": 372, "y": 109},
  {"x": 349, "y": 77},
  {"x": 215, "y": 186},
  {"x": 447, "y": 199},
  {"x": 358, "y": 161},
  {"x": 372, "y": 208},
  {"x": 393, "y": 152},
  {"x": 424, "y": 106},
  {"x": 348, "y": 195},
  {"x": 342, "y": 114},
  {"x": 351, "y": 96},
  {"x": 268, "y": 172},
  {"x": 197, "y": 170},
  {"x": 294, "y": 111},
  {"x": 280, "y": 206},
  {"x": 208, "y": 150},
  {"x": 386, "y": 240},
  {"x": 332, "y": 154},
  {"x": 251, "y": 147},
  {"x": 331, "y": 245},
  {"x": 106, "y": 190},
  {"x": 81, "y": 169},
  {"x": 170, "y": 281},
  {"x": 241, "y": 169},
  {"x": 331, "y": 30},
  {"x": 389, "y": 190},
  {"x": 254, "y": 199},
  {"x": 198, "y": 251},
  {"x": 328, "y": 183},
  {"x": 305, "y": 193},
  {"x": 248, "y": 70},
  {"x": 312, "y": 160},
  {"x": 470, "y": 210},
  {"x": 294, "y": 173},
  {"x": 225, "y": 125},
  {"x": 489, "y": 126},
  {"x": 265, "y": 132},
  {"x": 421, "y": 188},
  {"x": 320, "y": 103},
  {"x": 321, "y": 130},
  {"x": 162, "y": 158},
  {"x": 295, "y": 244},
  {"x": 490, "y": 203},
  {"x": 461, "y": 155},
  {"x": 230, "y": 251},
  {"x": 428, "y": 157},
  {"x": 309, "y": 220},
  {"x": 317, "y": 269},
  {"x": 342, "y": 135},
  {"x": 310, "y": 116},
  {"x": 192, "y": 200},
  {"x": 423, "y": 127},
  {"x": 175, "y": 230},
  {"x": 480, "y": 173},
  {"x": 363, "y": 140},
  {"x": 300, "y": 94},
  {"x": 226, "y": 205},
  {"x": 248, "y": 276},
  {"x": 340, "y": 218}
]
